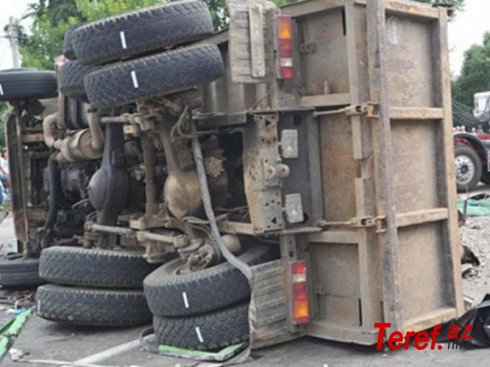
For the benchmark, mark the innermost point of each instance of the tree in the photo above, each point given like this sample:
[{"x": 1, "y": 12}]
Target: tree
[
  {"x": 52, "y": 19},
  {"x": 475, "y": 75}
]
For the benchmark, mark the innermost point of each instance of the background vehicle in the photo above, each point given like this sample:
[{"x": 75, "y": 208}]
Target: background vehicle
[
  {"x": 28, "y": 91},
  {"x": 473, "y": 149}
]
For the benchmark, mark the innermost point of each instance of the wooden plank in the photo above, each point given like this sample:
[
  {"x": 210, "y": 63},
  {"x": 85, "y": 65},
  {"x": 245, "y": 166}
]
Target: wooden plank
[
  {"x": 335, "y": 237},
  {"x": 326, "y": 100},
  {"x": 408, "y": 113},
  {"x": 422, "y": 216}
]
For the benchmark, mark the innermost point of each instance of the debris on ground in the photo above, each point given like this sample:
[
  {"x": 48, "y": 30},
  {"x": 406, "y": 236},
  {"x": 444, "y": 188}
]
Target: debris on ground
[
  {"x": 476, "y": 256},
  {"x": 479, "y": 319},
  {"x": 475, "y": 206},
  {"x": 10, "y": 330}
]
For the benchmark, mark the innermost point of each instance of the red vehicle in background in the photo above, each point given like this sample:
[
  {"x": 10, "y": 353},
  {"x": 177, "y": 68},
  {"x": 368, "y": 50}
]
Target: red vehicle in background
[{"x": 473, "y": 149}]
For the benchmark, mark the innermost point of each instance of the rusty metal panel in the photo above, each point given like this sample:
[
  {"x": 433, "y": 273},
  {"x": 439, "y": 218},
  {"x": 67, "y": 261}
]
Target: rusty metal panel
[
  {"x": 424, "y": 282},
  {"x": 415, "y": 158},
  {"x": 339, "y": 169},
  {"x": 323, "y": 49},
  {"x": 388, "y": 167},
  {"x": 335, "y": 268},
  {"x": 409, "y": 46}
]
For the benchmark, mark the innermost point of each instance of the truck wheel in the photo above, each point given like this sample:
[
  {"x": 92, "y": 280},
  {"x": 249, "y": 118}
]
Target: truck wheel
[
  {"x": 93, "y": 267},
  {"x": 468, "y": 168},
  {"x": 153, "y": 76},
  {"x": 142, "y": 32},
  {"x": 71, "y": 79},
  {"x": 172, "y": 294},
  {"x": 68, "y": 49},
  {"x": 19, "y": 272},
  {"x": 210, "y": 332},
  {"x": 92, "y": 307},
  {"x": 27, "y": 84}
]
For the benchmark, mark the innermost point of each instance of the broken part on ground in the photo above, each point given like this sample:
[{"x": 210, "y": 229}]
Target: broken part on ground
[{"x": 294, "y": 173}]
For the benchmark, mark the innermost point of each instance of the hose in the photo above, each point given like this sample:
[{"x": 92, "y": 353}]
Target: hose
[
  {"x": 208, "y": 208},
  {"x": 54, "y": 179}
]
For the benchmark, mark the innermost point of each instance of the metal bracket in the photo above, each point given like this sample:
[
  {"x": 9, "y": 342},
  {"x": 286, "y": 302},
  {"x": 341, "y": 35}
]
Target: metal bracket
[
  {"x": 294, "y": 208},
  {"x": 370, "y": 109},
  {"x": 366, "y": 222},
  {"x": 289, "y": 144}
]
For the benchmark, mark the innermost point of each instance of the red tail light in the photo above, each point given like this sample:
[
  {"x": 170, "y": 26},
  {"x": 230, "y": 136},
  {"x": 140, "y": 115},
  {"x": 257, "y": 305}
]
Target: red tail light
[
  {"x": 285, "y": 33},
  {"x": 301, "y": 312}
]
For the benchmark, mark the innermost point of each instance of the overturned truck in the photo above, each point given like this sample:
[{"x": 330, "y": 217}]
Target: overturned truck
[{"x": 294, "y": 174}]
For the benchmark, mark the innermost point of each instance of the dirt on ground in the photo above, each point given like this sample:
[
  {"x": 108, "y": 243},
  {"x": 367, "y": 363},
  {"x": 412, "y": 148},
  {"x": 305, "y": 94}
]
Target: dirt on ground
[{"x": 475, "y": 235}]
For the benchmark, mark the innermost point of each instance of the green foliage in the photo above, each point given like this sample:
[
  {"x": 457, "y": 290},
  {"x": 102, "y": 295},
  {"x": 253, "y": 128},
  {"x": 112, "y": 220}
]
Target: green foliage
[
  {"x": 475, "y": 75},
  {"x": 52, "y": 19},
  {"x": 46, "y": 34},
  {"x": 458, "y": 4},
  {"x": 94, "y": 10}
]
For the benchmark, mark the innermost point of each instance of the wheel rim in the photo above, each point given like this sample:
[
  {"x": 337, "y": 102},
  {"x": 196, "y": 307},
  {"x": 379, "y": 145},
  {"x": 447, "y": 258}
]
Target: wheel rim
[{"x": 465, "y": 169}]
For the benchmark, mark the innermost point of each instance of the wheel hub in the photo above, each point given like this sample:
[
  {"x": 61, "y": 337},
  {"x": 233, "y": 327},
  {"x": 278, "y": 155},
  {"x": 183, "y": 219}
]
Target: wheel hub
[{"x": 465, "y": 169}]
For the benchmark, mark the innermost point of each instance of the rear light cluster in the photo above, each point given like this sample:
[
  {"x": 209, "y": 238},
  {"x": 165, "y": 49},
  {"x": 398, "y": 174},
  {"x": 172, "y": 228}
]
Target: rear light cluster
[
  {"x": 301, "y": 312},
  {"x": 285, "y": 33}
]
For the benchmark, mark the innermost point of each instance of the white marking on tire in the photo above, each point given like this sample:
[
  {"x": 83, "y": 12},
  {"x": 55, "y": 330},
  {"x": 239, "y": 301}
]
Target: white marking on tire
[
  {"x": 1, "y": 90},
  {"x": 135, "y": 79},
  {"x": 123, "y": 40},
  {"x": 186, "y": 301},
  {"x": 199, "y": 335},
  {"x": 39, "y": 306}
]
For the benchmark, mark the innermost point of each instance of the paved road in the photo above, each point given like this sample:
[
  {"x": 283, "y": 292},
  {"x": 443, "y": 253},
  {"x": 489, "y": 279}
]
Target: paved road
[{"x": 43, "y": 340}]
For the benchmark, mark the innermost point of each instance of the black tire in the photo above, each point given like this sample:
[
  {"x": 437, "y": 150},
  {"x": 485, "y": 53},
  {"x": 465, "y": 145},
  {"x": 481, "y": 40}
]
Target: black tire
[
  {"x": 92, "y": 307},
  {"x": 210, "y": 332},
  {"x": 214, "y": 288},
  {"x": 485, "y": 178},
  {"x": 94, "y": 268},
  {"x": 27, "y": 84},
  {"x": 142, "y": 31},
  {"x": 153, "y": 76},
  {"x": 71, "y": 79},
  {"x": 19, "y": 272},
  {"x": 68, "y": 49},
  {"x": 468, "y": 168}
]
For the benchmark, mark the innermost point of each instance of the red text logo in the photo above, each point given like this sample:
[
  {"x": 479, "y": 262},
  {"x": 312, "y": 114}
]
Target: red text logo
[{"x": 422, "y": 340}]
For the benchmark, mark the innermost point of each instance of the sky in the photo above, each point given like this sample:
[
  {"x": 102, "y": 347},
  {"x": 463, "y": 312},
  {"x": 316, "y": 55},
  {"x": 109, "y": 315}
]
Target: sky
[{"x": 467, "y": 29}]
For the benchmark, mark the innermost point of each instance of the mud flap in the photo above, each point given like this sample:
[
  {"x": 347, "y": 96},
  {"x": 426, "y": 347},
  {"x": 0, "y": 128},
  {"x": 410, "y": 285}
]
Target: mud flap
[{"x": 269, "y": 318}]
